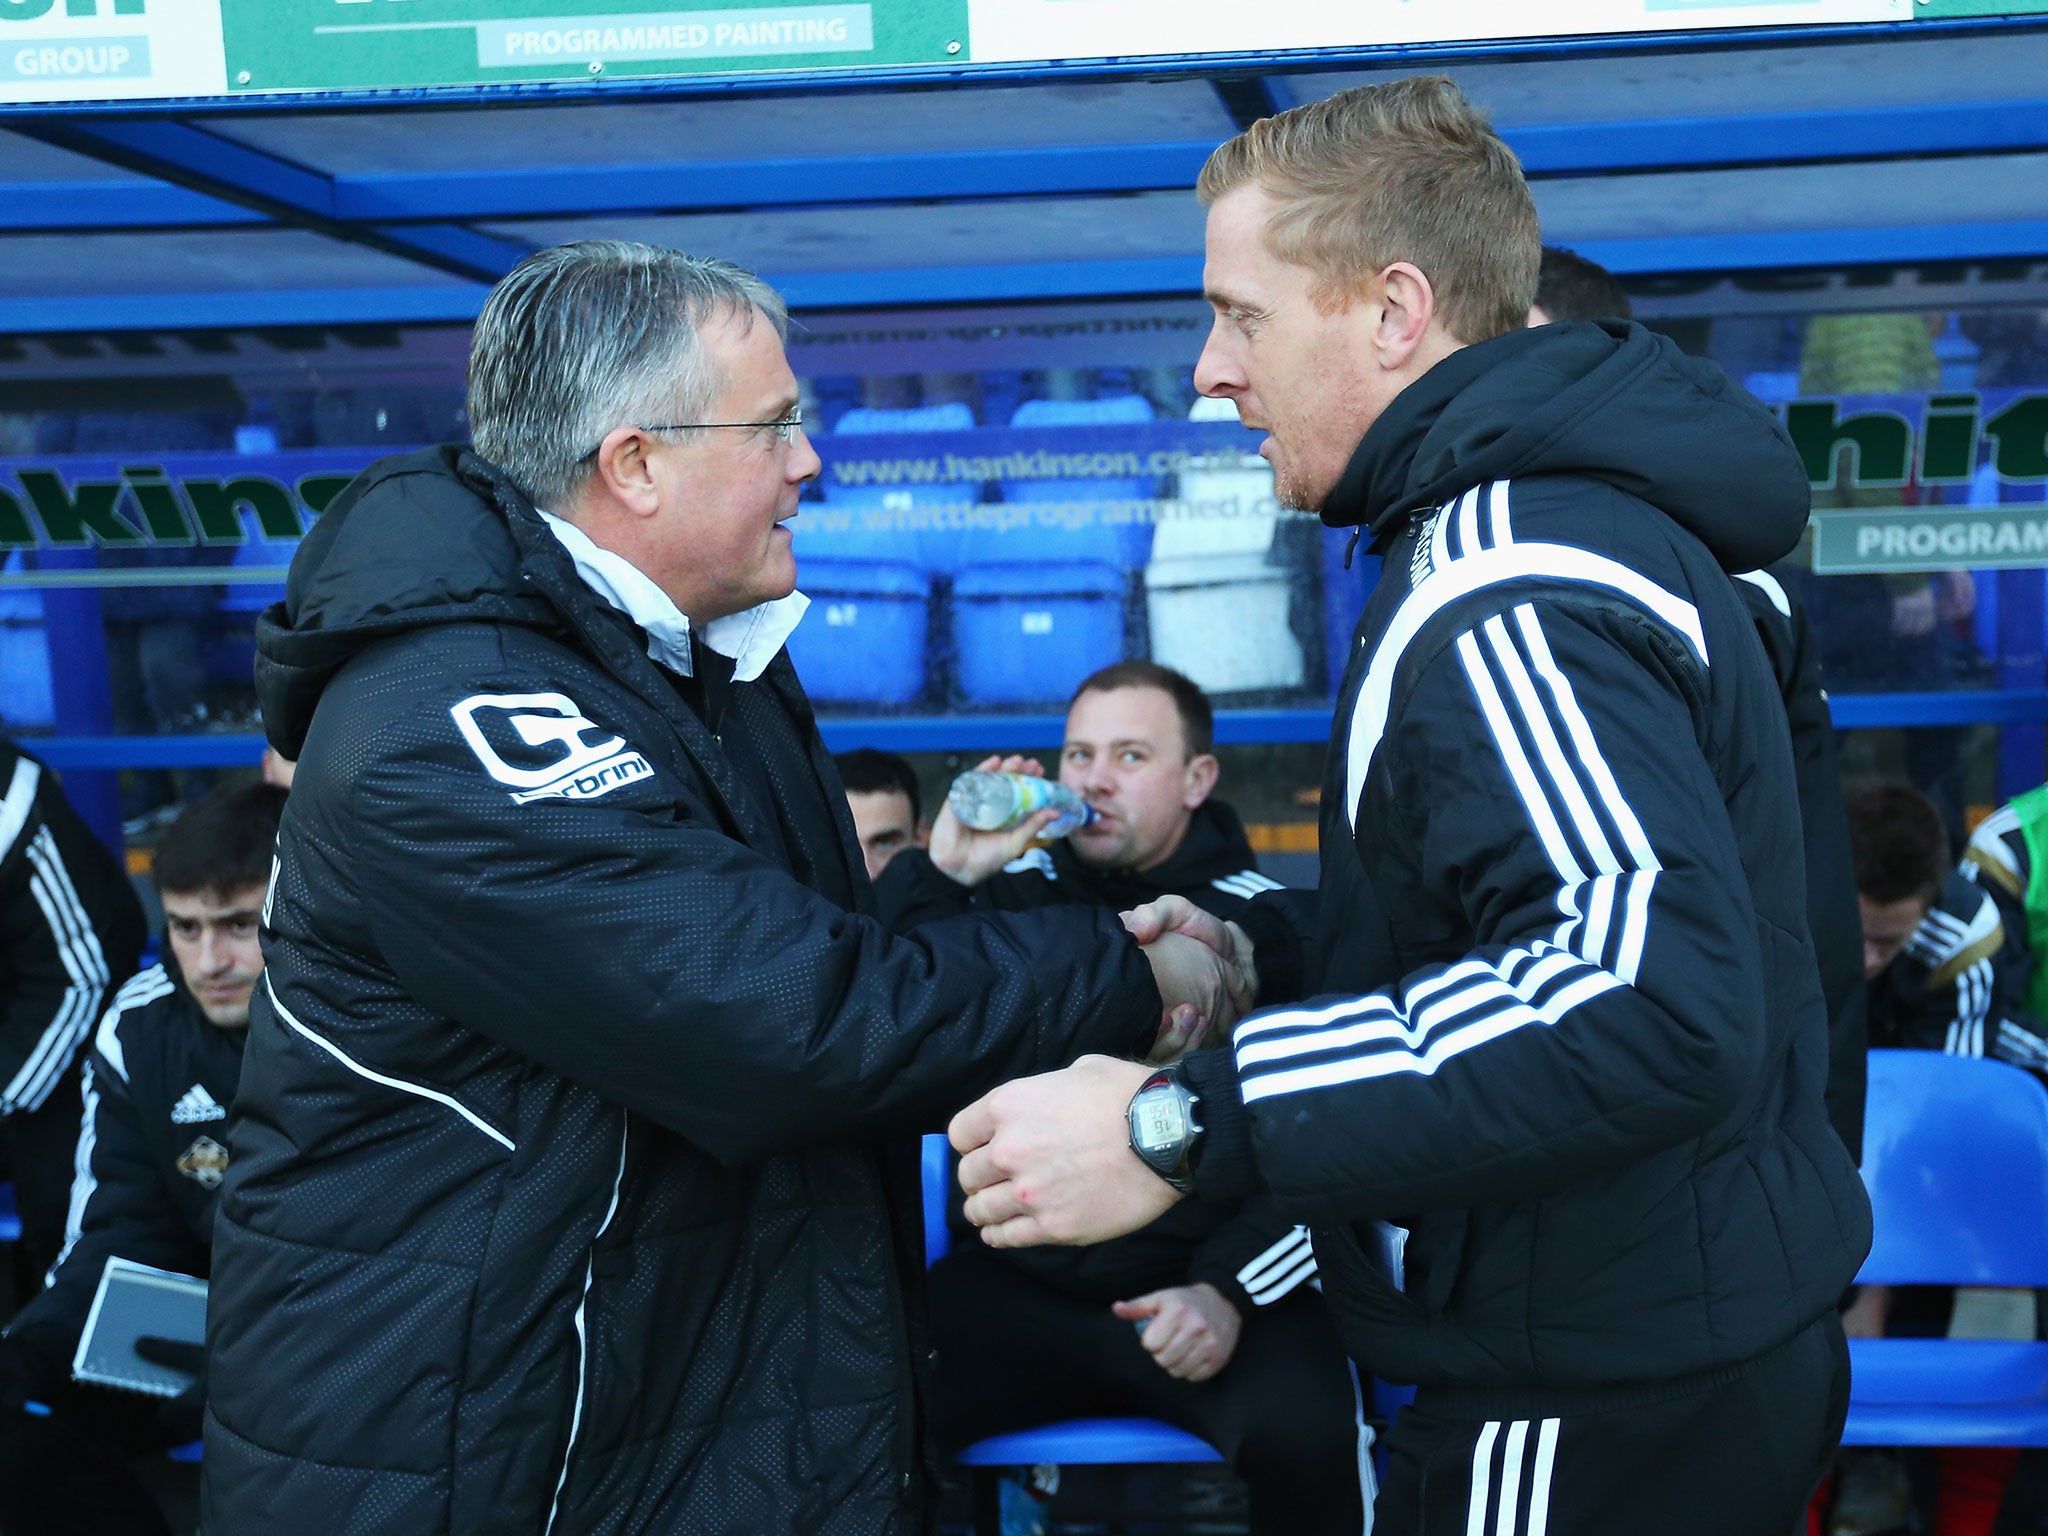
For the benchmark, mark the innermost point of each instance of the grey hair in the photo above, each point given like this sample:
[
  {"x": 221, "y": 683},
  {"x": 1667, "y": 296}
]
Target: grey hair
[{"x": 579, "y": 340}]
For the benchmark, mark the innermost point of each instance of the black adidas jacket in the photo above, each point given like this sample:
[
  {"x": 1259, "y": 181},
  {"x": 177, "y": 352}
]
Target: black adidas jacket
[
  {"x": 1832, "y": 916},
  {"x": 1248, "y": 1250},
  {"x": 1960, "y": 983},
  {"x": 1553, "y": 1097},
  {"x": 572, "y": 1185},
  {"x": 152, "y": 1150},
  {"x": 70, "y": 931}
]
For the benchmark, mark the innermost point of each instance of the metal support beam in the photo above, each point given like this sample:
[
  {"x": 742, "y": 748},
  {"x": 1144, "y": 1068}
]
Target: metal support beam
[
  {"x": 1014, "y": 733},
  {"x": 1247, "y": 98},
  {"x": 197, "y": 158},
  {"x": 375, "y": 207},
  {"x": 450, "y": 302},
  {"x": 202, "y": 162},
  {"x": 917, "y": 286}
]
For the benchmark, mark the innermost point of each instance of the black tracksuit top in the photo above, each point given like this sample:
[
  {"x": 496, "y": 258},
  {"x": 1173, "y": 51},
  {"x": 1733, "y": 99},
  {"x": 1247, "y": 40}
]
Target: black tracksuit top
[
  {"x": 573, "y": 1187},
  {"x": 1548, "y": 1081},
  {"x": 152, "y": 1151}
]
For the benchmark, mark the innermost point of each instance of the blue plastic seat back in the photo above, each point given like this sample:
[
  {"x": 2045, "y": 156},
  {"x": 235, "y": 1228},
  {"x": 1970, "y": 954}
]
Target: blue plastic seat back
[
  {"x": 899, "y": 521},
  {"x": 1090, "y": 1443},
  {"x": 938, "y": 1172},
  {"x": 1955, "y": 1156},
  {"x": 1098, "y": 517}
]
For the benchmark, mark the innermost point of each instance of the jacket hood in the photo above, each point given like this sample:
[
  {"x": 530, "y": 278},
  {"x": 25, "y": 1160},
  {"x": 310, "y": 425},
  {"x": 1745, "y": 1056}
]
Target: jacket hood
[
  {"x": 433, "y": 537},
  {"x": 1607, "y": 401}
]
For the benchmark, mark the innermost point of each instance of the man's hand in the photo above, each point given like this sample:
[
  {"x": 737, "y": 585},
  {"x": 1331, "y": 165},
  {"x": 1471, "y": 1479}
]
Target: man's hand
[
  {"x": 183, "y": 1417},
  {"x": 1048, "y": 1159},
  {"x": 1190, "y": 976},
  {"x": 970, "y": 857},
  {"x": 1177, "y": 915},
  {"x": 1193, "y": 1329},
  {"x": 1181, "y": 1029}
]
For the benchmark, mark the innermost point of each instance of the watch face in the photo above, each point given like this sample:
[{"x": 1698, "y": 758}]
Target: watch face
[{"x": 1159, "y": 1121}]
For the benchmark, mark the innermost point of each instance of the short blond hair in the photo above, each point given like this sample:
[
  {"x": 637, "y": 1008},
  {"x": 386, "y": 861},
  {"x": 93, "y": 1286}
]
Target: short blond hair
[{"x": 1407, "y": 171}]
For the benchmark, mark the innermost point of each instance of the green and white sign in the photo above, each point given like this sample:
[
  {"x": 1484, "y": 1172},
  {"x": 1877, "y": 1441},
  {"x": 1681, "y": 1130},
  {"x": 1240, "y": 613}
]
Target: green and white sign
[
  {"x": 1930, "y": 538},
  {"x": 1021, "y": 31},
  {"x": 109, "y": 50},
  {"x": 299, "y": 45}
]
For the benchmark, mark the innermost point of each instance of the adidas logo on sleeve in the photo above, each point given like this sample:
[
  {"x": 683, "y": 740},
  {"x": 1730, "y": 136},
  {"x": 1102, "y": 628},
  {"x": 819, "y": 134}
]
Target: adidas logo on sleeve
[{"x": 195, "y": 1106}]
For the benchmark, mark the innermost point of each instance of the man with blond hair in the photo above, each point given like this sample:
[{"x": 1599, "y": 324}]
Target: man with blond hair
[{"x": 1544, "y": 1060}]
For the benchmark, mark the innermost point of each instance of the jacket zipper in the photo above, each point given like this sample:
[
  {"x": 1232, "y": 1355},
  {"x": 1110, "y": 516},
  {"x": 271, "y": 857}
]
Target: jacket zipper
[{"x": 582, "y": 1337}]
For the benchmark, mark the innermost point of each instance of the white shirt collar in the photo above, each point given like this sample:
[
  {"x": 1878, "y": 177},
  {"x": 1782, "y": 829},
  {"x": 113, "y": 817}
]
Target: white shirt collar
[{"x": 751, "y": 638}]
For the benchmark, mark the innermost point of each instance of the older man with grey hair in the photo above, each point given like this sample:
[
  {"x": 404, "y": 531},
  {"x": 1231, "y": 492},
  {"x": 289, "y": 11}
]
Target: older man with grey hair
[{"x": 571, "y": 1187}]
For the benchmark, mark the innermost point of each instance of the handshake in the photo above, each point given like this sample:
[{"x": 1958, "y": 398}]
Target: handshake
[
  {"x": 1048, "y": 1159},
  {"x": 1203, "y": 968}
]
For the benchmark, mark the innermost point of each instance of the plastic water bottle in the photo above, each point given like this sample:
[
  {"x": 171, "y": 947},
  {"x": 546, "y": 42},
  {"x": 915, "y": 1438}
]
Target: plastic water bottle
[{"x": 990, "y": 802}]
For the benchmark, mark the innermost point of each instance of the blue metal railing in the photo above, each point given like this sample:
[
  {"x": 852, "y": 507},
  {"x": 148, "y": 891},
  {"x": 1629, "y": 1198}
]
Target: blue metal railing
[{"x": 995, "y": 733}]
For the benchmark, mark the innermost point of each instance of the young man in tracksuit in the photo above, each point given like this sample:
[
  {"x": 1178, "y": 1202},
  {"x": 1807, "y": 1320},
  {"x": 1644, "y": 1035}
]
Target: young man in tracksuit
[
  {"x": 1207, "y": 1318},
  {"x": 71, "y": 930},
  {"x": 150, "y": 1152},
  {"x": 1945, "y": 959},
  {"x": 1547, "y": 1067}
]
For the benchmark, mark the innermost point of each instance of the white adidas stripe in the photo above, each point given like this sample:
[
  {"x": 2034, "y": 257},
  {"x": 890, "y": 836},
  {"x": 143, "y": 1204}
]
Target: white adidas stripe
[
  {"x": 1460, "y": 578},
  {"x": 1385, "y": 1036},
  {"x": 83, "y": 1180},
  {"x": 1279, "y": 1269},
  {"x": 140, "y": 991},
  {"x": 78, "y": 949},
  {"x": 19, "y": 800},
  {"x": 1494, "y": 1507}
]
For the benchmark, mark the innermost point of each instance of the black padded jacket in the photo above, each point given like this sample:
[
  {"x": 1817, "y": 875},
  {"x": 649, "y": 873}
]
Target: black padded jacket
[
  {"x": 573, "y": 1184},
  {"x": 1551, "y": 1091},
  {"x": 151, "y": 1154}
]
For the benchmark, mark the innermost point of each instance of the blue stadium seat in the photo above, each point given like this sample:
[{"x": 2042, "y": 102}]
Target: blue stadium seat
[
  {"x": 1076, "y": 1442},
  {"x": 1126, "y": 542},
  {"x": 864, "y": 562},
  {"x": 1955, "y": 1155},
  {"x": 862, "y": 641},
  {"x": 1038, "y": 603},
  {"x": 1030, "y": 632},
  {"x": 26, "y": 702}
]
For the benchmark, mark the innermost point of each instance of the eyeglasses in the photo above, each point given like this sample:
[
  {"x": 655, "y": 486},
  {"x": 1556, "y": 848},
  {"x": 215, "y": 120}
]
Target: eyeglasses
[{"x": 785, "y": 428}]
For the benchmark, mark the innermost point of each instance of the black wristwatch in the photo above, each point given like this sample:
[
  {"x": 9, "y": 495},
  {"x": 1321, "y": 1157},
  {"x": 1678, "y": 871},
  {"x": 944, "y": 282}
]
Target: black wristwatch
[{"x": 1164, "y": 1132}]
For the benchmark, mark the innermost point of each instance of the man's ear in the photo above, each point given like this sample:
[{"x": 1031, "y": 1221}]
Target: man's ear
[
  {"x": 625, "y": 471},
  {"x": 1406, "y": 310},
  {"x": 1199, "y": 779}
]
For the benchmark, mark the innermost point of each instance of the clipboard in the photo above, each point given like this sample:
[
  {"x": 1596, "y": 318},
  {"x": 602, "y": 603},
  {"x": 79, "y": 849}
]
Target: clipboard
[{"x": 133, "y": 1301}]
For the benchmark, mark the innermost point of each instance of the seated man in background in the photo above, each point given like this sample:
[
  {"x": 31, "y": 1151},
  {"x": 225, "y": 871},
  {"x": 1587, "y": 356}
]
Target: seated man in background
[
  {"x": 1138, "y": 750},
  {"x": 71, "y": 931},
  {"x": 1945, "y": 972},
  {"x": 1944, "y": 969},
  {"x": 151, "y": 1151},
  {"x": 2005, "y": 859},
  {"x": 888, "y": 811},
  {"x": 1229, "y": 1341}
]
